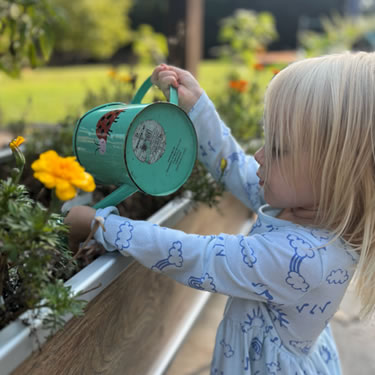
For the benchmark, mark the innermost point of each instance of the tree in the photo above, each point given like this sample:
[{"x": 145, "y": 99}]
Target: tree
[
  {"x": 92, "y": 28},
  {"x": 340, "y": 33},
  {"x": 149, "y": 46},
  {"x": 26, "y": 35},
  {"x": 244, "y": 33}
]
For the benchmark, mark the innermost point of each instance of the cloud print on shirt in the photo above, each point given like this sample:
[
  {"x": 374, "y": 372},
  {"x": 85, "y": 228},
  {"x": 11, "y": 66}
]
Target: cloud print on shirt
[
  {"x": 174, "y": 259},
  {"x": 228, "y": 351},
  {"x": 273, "y": 368},
  {"x": 205, "y": 282},
  {"x": 124, "y": 235},
  {"x": 247, "y": 252},
  {"x": 302, "y": 252},
  {"x": 338, "y": 276},
  {"x": 302, "y": 248},
  {"x": 296, "y": 281}
]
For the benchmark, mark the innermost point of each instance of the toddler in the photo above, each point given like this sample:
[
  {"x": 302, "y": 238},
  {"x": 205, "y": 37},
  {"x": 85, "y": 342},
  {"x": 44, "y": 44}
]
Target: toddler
[{"x": 312, "y": 185}]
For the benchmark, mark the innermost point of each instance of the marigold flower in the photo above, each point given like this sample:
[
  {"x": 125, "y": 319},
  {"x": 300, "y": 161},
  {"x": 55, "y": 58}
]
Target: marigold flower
[
  {"x": 19, "y": 157},
  {"x": 64, "y": 174},
  {"x": 16, "y": 142},
  {"x": 125, "y": 78},
  {"x": 238, "y": 85},
  {"x": 112, "y": 73},
  {"x": 258, "y": 66}
]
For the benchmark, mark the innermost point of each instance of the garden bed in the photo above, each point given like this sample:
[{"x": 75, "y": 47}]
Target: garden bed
[{"x": 135, "y": 320}]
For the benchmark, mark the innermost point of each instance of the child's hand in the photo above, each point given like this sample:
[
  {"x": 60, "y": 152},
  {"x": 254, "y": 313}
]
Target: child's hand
[
  {"x": 187, "y": 86},
  {"x": 79, "y": 220}
]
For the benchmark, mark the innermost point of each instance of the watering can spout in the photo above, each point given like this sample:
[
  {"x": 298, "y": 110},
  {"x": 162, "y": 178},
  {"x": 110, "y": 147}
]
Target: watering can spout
[
  {"x": 150, "y": 148},
  {"x": 116, "y": 197}
]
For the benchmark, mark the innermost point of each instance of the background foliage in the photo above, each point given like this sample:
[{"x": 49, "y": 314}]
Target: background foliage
[
  {"x": 92, "y": 28},
  {"x": 26, "y": 33},
  {"x": 244, "y": 33},
  {"x": 241, "y": 104},
  {"x": 340, "y": 33}
]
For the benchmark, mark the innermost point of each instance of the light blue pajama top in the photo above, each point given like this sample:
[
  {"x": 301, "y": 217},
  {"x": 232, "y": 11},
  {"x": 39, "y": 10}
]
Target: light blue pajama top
[{"x": 284, "y": 281}]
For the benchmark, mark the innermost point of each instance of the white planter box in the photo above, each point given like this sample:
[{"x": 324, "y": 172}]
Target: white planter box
[{"x": 135, "y": 320}]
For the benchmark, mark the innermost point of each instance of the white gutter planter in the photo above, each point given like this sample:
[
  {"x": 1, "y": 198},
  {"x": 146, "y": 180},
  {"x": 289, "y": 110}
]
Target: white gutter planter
[{"x": 135, "y": 320}]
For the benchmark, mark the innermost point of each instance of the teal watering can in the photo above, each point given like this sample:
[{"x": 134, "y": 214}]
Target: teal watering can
[{"x": 150, "y": 148}]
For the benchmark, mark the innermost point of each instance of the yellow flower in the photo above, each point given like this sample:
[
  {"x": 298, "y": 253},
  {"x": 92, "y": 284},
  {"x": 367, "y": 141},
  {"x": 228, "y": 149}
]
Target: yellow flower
[
  {"x": 64, "y": 174},
  {"x": 223, "y": 164},
  {"x": 125, "y": 78},
  {"x": 16, "y": 142},
  {"x": 112, "y": 73}
]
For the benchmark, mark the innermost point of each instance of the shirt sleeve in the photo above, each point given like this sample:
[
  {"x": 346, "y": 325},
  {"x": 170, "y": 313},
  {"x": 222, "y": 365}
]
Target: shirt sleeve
[
  {"x": 223, "y": 156},
  {"x": 277, "y": 267}
]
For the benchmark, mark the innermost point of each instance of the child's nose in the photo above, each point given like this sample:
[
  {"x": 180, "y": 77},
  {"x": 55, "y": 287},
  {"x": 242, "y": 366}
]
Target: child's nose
[{"x": 259, "y": 156}]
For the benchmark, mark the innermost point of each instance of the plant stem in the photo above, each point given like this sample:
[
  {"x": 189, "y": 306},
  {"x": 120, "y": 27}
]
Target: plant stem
[
  {"x": 54, "y": 206},
  {"x": 3, "y": 266}
]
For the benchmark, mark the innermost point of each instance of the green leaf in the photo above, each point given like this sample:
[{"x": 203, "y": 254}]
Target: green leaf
[{"x": 46, "y": 42}]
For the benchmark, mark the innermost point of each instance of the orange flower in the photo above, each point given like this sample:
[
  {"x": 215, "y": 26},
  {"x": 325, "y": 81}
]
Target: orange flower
[
  {"x": 112, "y": 73},
  {"x": 19, "y": 156},
  {"x": 239, "y": 85},
  {"x": 16, "y": 142},
  {"x": 275, "y": 71},
  {"x": 64, "y": 174},
  {"x": 258, "y": 66}
]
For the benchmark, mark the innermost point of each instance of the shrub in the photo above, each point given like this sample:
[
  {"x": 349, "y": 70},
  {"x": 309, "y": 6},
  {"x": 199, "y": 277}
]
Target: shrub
[{"x": 34, "y": 257}]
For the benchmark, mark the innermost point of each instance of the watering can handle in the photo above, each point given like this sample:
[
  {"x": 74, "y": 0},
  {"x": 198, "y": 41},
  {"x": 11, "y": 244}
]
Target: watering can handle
[{"x": 173, "y": 97}]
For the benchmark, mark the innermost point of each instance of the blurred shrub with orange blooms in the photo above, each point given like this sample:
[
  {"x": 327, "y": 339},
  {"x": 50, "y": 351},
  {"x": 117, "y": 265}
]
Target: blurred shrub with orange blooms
[{"x": 240, "y": 104}]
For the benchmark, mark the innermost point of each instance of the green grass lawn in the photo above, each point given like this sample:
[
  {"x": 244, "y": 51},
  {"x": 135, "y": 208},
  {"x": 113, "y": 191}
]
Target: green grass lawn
[{"x": 47, "y": 95}]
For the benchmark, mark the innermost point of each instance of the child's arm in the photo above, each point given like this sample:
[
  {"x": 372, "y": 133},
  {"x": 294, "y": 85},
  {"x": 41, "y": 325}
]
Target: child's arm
[
  {"x": 278, "y": 267},
  {"x": 218, "y": 150},
  {"x": 223, "y": 157}
]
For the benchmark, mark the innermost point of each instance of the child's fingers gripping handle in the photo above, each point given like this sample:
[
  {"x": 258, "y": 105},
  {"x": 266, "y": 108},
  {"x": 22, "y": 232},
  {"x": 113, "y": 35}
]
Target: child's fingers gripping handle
[{"x": 164, "y": 79}]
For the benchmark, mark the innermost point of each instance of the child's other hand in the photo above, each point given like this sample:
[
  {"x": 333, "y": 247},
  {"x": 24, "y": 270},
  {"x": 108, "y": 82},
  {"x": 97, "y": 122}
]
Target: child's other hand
[
  {"x": 79, "y": 220},
  {"x": 187, "y": 86}
]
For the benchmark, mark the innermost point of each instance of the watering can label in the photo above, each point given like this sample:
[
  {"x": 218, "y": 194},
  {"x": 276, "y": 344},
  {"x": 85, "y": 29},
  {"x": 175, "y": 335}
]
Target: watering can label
[
  {"x": 139, "y": 147},
  {"x": 149, "y": 141}
]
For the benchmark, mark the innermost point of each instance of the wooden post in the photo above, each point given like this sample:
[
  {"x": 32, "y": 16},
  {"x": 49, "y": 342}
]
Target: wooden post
[
  {"x": 176, "y": 32},
  {"x": 185, "y": 33},
  {"x": 194, "y": 34}
]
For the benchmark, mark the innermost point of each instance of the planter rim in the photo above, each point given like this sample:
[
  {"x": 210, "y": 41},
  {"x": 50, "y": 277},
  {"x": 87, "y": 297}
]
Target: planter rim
[{"x": 18, "y": 341}]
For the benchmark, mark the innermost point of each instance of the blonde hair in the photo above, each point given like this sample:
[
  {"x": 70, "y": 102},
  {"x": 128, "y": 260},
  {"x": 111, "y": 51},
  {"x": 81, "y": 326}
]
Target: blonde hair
[{"x": 325, "y": 106}]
